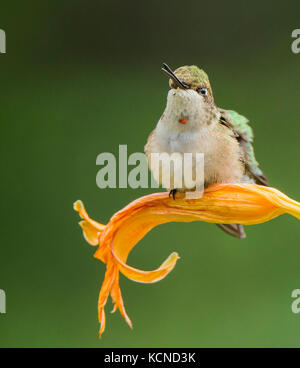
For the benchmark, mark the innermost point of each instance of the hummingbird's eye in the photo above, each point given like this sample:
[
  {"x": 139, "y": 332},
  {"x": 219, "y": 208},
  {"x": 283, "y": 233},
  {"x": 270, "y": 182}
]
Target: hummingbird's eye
[{"x": 202, "y": 90}]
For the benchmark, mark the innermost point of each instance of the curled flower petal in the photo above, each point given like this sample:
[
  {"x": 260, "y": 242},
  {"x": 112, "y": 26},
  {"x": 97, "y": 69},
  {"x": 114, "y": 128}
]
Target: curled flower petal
[
  {"x": 245, "y": 204},
  {"x": 90, "y": 228}
]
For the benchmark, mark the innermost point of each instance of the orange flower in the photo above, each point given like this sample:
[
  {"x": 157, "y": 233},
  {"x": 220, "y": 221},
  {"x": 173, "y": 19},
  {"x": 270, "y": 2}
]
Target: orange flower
[{"x": 221, "y": 203}]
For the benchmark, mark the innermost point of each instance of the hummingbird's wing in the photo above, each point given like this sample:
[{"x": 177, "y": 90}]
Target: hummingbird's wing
[
  {"x": 244, "y": 134},
  {"x": 240, "y": 128}
]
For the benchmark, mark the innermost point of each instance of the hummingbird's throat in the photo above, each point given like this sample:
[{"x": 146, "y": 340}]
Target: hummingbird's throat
[{"x": 185, "y": 110}]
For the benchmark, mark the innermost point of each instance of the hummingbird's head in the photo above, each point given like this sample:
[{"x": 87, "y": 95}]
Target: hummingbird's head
[
  {"x": 190, "y": 100},
  {"x": 190, "y": 77}
]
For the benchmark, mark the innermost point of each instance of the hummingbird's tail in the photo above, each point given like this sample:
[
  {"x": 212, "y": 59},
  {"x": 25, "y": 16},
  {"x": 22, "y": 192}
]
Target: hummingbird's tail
[{"x": 235, "y": 230}]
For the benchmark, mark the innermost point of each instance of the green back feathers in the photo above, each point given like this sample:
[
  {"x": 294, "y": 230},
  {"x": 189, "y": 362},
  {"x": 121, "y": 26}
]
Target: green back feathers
[{"x": 240, "y": 125}]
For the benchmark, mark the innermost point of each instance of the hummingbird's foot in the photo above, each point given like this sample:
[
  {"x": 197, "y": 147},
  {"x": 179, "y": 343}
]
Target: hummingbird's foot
[{"x": 172, "y": 193}]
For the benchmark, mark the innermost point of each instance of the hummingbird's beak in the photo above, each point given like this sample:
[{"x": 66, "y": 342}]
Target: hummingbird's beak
[{"x": 171, "y": 74}]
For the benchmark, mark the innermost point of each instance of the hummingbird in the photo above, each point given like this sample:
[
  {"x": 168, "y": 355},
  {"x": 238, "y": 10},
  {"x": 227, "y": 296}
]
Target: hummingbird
[{"x": 192, "y": 123}]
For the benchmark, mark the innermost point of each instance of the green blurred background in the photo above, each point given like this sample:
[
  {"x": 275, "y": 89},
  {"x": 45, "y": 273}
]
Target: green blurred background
[{"x": 81, "y": 77}]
